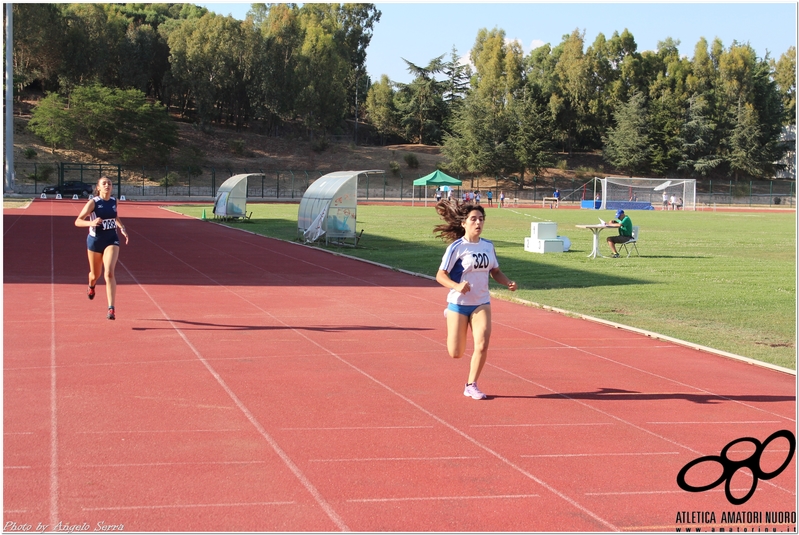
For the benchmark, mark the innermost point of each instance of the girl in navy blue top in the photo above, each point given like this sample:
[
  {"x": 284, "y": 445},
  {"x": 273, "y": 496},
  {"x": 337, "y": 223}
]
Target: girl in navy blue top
[
  {"x": 100, "y": 215},
  {"x": 467, "y": 264}
]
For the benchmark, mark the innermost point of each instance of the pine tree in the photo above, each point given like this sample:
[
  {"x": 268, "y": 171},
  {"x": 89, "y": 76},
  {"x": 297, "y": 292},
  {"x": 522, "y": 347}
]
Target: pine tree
[
  {"x": 457, "y": 76},
  {"x": 531, "y": 137},
  {"x": 696, "y": 140},
  {"x": 746, "y": 151},
  {"x": 627, "y": 144},
  {"x": 421, "y": 103}
]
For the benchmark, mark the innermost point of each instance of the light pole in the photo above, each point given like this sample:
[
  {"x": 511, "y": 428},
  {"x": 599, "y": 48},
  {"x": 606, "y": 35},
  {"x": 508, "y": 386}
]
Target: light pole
[
  {"x": 357, "y": 78},
  {"x": 9, "y": 107}
]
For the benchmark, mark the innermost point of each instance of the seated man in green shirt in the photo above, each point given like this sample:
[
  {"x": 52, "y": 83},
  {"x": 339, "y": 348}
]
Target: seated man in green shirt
[{"x": 625, "y": 226}]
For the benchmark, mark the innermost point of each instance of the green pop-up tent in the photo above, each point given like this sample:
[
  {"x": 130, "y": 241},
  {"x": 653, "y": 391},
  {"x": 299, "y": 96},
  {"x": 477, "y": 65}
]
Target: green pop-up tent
[{"x": 436, "y": 178}]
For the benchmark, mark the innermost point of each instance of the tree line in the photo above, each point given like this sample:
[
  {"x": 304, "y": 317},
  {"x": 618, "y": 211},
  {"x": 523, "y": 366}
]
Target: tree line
[
  {"x": 502, "y": 113},
  {"x": 720, "y": 112},
  {"x": 283, "y": 64}
]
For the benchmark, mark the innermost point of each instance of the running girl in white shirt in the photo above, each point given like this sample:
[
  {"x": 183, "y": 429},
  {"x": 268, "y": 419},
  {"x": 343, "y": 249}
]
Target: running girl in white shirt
[{"x": 465, "y": 268}]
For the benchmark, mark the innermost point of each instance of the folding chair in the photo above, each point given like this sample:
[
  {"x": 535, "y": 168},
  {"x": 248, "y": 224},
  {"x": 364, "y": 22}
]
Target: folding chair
[{"x": 632, "y": 242}]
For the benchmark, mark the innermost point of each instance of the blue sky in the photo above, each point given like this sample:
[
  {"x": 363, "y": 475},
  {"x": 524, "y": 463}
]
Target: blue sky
[{"x": 420, "y": 32}]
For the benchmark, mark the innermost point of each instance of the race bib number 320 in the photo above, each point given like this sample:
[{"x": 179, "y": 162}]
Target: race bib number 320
[{"x": 480, "y": 260}]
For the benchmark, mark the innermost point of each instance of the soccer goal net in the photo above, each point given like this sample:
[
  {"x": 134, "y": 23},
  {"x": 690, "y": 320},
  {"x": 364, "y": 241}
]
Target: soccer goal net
[{"x": 648, "y": 193}]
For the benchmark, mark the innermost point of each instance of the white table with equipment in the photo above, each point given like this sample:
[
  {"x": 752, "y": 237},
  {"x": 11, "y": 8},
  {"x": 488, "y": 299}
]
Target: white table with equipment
[{"x": 596, "y": 229}]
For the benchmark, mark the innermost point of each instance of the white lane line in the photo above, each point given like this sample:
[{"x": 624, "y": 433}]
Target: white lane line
[
  {"x": 632, "y": 454},
  {"x": 734, "y": 422},
  {"x": 185, "y": 506},
  {"x": 356, "y": 428},
  {"x": 182, "y": 463},
  {"x": 442, "y": 498},
  {"x": 157, "y": 431},
  {"x": 635, "y": 493},
  {"x": 646, "y": 492},
  {"x": 539, "y": 425},
  {"x": 326, "y": 507},
  {"x": 389, "y": 459},
  {"x": 53, "y": 396},
  {"x": 95, "y": 364}
]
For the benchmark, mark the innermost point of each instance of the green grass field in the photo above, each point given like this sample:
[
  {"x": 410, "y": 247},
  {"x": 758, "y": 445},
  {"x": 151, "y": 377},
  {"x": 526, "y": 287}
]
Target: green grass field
[{"x": 725, "y": 280}]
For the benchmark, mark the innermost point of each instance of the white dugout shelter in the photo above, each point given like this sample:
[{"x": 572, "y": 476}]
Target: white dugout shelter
[
  {"x": 329, "y": 207},
  {"x": 231, "y": 198}
]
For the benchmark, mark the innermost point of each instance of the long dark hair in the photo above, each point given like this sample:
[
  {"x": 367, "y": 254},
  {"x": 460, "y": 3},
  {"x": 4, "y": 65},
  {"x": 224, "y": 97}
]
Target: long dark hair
[{"x": 454, "y": 213}]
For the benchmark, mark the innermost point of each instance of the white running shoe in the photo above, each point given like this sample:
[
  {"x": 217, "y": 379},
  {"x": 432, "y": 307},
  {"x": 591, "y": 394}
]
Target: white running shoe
[{"x": 473, "y": 392}]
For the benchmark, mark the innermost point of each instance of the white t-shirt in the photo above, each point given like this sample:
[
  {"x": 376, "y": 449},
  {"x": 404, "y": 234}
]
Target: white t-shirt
[{"x": 471, "y": 262}]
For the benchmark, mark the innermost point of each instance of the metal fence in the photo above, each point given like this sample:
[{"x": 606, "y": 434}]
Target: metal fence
[
  {"x": 203, "y": 183},
  {"x": 708, "y": 192}
]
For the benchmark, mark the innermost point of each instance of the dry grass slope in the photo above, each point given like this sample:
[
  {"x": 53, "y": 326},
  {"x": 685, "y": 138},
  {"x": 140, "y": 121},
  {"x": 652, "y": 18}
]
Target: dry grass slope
[{"x": 257, "y": 151}]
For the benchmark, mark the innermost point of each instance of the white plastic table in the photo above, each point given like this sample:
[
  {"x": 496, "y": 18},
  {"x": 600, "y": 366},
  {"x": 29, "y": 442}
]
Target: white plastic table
[{"x": 595, "y": 229}]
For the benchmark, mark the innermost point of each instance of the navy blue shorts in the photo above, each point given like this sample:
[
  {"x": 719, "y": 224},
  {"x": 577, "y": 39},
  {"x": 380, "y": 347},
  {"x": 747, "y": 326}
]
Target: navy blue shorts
[
  {"x": 101, "y": 240},
  {"x": 466, "y": 310}
]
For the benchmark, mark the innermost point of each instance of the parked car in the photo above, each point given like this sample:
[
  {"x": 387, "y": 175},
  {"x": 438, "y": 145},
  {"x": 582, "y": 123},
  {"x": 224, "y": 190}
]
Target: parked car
[{"x": 70, "y": 187}]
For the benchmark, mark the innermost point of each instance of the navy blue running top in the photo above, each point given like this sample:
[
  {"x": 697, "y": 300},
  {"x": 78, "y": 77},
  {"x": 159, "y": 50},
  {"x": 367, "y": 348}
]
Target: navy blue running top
[{"x": 107, "y": 211}]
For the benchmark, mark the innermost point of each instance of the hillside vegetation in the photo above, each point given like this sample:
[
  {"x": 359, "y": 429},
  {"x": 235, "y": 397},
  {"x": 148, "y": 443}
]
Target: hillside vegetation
[{"x": 225, "y": 148}]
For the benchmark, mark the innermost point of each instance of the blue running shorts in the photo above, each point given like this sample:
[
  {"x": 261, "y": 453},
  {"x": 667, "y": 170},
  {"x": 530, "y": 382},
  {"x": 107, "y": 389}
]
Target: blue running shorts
[
  {"x": 102, "y": 240},
  {"x": 466, "y": 310}
]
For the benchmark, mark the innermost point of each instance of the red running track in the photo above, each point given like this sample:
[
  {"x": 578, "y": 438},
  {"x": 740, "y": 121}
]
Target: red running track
[{"x": 250, "y": 384}]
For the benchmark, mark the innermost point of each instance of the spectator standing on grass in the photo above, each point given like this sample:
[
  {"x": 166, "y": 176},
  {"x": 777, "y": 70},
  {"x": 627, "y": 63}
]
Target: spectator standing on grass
[
  {"x": 665, "y": 201},
  {"x": 477, "y": 197},
  {"x": 490, "y": 197},
  {"x": 438, "y": 194},
  {"x": 501, "y": 199},
  {"x": 100, "y": 215},
  {"x": 672, "y": 203},
  {"x": 625, "y": 226},
  {"x": 468, "y": 262},
  {"x": 556, "y": 194}
]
